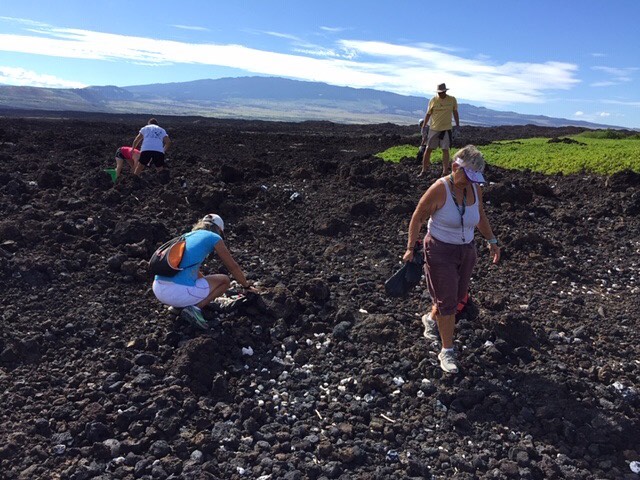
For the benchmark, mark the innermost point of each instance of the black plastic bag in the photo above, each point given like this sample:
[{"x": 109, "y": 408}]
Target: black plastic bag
[
  {"x": 420, "y": 153},
  {"x": 408, "y": 277}
]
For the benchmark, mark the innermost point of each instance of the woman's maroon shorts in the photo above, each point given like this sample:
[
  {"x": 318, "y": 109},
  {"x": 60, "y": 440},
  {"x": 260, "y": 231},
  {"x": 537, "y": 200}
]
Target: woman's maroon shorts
[{"x": 448, "y": 270}]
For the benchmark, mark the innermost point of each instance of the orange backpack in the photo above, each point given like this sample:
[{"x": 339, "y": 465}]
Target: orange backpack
[{"x": 165, "y": 261}]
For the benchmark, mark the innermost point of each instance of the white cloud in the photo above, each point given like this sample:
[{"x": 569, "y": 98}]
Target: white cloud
[
  {"x": 606, "y": 83},
  {"x": 632, "y": 103},
  {"x": 604, "y": 114},
  {"x": 27, "y": 78},
  {"x": 404, "y": 69},
  {"x": 579, "y": 113},
  {"x": 281, "y": 35},
  {"x": 616, "y": 75},
  {"x": 595, "y": 54},
  {"x": 332, "y": 29},
  {"x": 191, "y": 27}
]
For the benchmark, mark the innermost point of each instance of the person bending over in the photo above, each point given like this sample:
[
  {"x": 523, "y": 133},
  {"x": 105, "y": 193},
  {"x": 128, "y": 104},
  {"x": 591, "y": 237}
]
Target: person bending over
[
  {"x": 155, "y": 143},
  {"x": 190, "y": 289},
  {"x": 126, "y": 154}
]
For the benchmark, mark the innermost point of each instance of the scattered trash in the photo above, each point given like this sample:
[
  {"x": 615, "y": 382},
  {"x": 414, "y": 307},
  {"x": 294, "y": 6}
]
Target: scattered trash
[
  {"x": 240, "y": 470},
  {"x": 627, "y": 393},
  {"x": 399, "y": 381},
  {"x": 362, "y": 310},
  {"x": 387, "y": 418},
  {"x": 295, "y": 196},
  {"x": 247, "y": 351},
  {"x": 393, "y": 456},
  {"x": 635, "y": 467}
]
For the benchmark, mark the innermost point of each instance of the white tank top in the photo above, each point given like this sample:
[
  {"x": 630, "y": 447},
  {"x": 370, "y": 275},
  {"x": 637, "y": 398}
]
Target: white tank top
[{"x": 445, "y": 224}]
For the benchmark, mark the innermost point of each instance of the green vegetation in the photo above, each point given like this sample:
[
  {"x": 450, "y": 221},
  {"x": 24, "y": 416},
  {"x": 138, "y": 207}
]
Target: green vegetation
[{"x": 601, "y": 152}]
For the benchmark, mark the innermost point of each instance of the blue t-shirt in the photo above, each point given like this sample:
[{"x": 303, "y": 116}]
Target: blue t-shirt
[{"x": 199, "y": 245}]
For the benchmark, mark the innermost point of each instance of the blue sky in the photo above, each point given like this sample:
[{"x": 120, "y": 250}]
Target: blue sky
[{"x": 567, "y": 59}]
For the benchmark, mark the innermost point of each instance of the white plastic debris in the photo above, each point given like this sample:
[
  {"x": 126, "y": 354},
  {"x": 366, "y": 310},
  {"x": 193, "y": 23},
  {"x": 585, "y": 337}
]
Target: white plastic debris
[
  {"x": 247, "y": 351},
  {"x": 240, "y": 470},
  {"x": 362, "y": 310},
  {"x": 399, "y": 381},
  {"x": 635, "y": 467}
]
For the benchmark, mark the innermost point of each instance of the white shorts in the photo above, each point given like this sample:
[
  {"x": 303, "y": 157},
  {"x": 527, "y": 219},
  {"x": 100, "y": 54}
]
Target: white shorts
[{"x": 180, "y": 296}]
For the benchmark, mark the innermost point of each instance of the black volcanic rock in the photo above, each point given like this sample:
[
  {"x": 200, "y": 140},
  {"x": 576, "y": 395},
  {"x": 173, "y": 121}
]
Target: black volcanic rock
[{"x": 322, "y": 375}]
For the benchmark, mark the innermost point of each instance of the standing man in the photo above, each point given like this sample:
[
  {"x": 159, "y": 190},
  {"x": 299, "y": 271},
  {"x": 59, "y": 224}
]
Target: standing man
[
  {"x": 439, "y": 111},
  {"x": 155, "y": 143}
]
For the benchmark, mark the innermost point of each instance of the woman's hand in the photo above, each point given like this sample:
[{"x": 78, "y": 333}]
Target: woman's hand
[
  {"x": 494, "y": 251},
  {"x": 250, "y": 287},
  {"x": 408, "y": 255}
]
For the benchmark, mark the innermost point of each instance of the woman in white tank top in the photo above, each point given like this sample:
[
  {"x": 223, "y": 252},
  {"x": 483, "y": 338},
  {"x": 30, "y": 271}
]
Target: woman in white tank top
[{"x": 453, "y": 205}]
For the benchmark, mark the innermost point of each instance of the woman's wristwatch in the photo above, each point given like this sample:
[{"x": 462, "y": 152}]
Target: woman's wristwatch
[{"x": 492, "y": 241}]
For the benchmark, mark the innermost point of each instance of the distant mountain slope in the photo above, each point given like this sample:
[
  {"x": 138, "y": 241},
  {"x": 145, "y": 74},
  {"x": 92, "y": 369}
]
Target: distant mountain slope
[{"x": 263, "y": 98}]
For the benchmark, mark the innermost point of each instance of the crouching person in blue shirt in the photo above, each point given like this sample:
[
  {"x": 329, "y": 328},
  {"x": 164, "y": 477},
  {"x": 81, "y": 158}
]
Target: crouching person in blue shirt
[{"x": 189, "y": 289}]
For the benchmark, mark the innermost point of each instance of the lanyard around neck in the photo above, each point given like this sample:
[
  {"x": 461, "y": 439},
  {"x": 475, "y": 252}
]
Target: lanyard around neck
[{"x": 461, "y": 208}]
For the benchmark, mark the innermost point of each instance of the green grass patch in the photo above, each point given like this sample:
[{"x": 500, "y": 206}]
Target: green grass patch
[
  {"x": 595, "y": 152},
  {"x": 397, "y": 153}
]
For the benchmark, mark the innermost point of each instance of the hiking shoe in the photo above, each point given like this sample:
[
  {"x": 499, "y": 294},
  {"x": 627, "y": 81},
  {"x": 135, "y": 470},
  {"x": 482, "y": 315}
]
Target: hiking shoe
[
  {"x": 448, "y": 361},
  {"x": 193, "y": 315},
  {"x": 430, "y": 328}
]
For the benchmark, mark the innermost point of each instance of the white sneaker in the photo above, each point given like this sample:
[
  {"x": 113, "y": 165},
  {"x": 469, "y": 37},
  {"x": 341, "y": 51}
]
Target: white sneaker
[
  {"x": 430, "y": 328},
  {"x": 448, "y": 361}
]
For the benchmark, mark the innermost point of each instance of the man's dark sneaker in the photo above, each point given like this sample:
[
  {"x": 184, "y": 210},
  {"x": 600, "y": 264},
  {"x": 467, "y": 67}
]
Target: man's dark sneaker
[
  {"x": 448, "y": 361},
  {"x": 193, "y": 315},
  {"x": 430, "y": 328}
]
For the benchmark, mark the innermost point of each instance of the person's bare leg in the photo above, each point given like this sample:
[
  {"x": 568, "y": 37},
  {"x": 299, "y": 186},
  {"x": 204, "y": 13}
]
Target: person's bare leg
[
  {"x": 446, "y": 163},
  {"x": 119, "y": 163},
  {"x": 446, "y": 327},
  {"x": 426, "y": 161},
  {"x": 139, "y": 168},
  {"x": 218, "y": 284}
]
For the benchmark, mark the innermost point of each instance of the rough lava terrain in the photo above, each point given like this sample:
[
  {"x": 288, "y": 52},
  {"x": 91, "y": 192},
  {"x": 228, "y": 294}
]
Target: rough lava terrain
[{"x": 323, "y": 376}]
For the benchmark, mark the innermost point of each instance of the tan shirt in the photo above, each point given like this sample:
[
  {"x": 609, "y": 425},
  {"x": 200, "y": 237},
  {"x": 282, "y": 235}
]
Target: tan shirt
[{"x": 441, "y": 110}]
